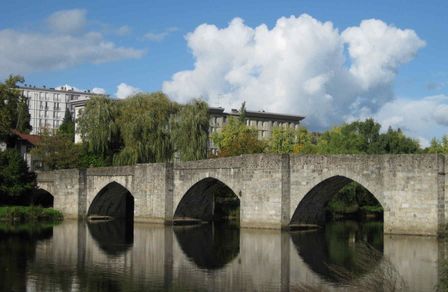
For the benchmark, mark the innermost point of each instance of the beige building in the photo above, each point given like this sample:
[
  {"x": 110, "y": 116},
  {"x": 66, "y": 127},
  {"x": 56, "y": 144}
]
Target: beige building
[
  {"x": 263, "y": 121},
  {"x": 47, "y": 105}
]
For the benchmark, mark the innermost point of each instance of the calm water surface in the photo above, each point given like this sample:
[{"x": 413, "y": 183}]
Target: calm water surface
[{"x": 112, "y": 256}]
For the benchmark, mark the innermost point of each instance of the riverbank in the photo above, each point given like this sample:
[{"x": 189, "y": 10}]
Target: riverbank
[{"x": 29, "y": 214}]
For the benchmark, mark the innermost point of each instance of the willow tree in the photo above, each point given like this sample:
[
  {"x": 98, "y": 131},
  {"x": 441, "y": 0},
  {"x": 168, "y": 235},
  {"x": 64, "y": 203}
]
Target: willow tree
[
  {"x": 98, "y": 127},
  {"x": 144, "y": 123},
  {"x": 190, "y": 131}
]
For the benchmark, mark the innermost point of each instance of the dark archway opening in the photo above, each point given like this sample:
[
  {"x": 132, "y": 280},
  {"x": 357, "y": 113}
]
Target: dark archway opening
[
  {"x": 337, "y": 198},
  {"x": 114, "y": 201},
  {"x": 42, "y": 198},
  {"x": 206, "y": 201}
]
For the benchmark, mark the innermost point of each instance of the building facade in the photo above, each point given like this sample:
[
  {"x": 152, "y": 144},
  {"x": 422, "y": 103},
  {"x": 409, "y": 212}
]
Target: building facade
[
  {"x": 264, "y": 122},
  {"x": 47, "y": 105}
]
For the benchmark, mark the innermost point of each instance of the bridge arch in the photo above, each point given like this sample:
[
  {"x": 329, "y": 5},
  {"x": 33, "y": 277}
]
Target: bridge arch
[
  {"x": 113, "y": 200},
  {"x": 201, "y": 202},
  {"x": 311, "y": 207},
  {"x": 42, "y": 197}
]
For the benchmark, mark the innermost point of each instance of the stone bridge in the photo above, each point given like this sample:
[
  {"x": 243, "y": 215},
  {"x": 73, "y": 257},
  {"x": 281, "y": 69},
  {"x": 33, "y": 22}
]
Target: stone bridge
[{"x": 274, "y": 191}]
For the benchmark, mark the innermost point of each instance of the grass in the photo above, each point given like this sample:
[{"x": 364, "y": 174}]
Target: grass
[{"x": 30, "y": 214}]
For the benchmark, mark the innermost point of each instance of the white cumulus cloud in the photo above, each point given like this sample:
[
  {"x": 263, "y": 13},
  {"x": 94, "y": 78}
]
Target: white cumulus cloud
[
  {"x": 124, "y": 90},
  {"x": 56, "y": 51},
  {"x": 300, "y": 66},
  {"x": 68, "y": 87},
  {"x": 67, "y": 21},
  {"x": 25, "y": 52},
  {"x": 423, "y": 119},
  {"x": 99, "y": 90}
]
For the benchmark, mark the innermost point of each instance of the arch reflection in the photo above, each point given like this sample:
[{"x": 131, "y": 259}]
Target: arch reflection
[
  {"x": 114, "y": 237},
  {"x": 210, "y": 246},
  {"x": 341, "y": 247}
]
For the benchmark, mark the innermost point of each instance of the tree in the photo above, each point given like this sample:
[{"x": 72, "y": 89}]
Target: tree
[
  {"x": 236, "y": 139},
  {"x": 190, "y": 131},
  {"x": 144, "y": 124},
  {"x": 16, "y": 182},
  {"x": 395, "y": 142},
  {"x": 68, "y": 126},
  {"x": 365, "y": 137},
  {"x": 23, "y": 116},
  {"x": 288, "y": 140},
  {"x": 98, "y": 127},
  {"x": 438, "y": 146},
  {"x": 14, "y": 112},
  {"x": 57, "y": 152},
  {"x": 282, "y": 140},
  {"x": 242, "y": 117}
]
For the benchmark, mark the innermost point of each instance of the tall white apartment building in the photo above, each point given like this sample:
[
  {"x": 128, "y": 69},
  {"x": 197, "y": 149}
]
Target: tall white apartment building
[{"x": 47, "y": 105}]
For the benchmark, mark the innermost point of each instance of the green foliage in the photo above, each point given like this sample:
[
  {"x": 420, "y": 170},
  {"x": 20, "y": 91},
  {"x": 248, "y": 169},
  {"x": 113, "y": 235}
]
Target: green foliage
[
  {"x": 353, "y": 198},
  {"x": 30, "y": 213},
  {"x": 57, "y": 152},
  {"x": 68, "y": 126},
  {"x": 89, "y": 159},
  {"x": 144, "y": 123},
  {"x": 98, "y": 127},
  {"x": 23, "y": 116},
  {"x": 364, "y": 137},
  {"x": 236, "y": 139},
  {"x": 282, "y": 140},
  {"x": 190, "y": 131},
  {"x": 14, "y": 112},
  {"x": 15, "y": 179},
  {"x": 242, "y": 117},
  {"x": 143, "y": 128},
  {"x": 438, "y": 146},
  {"x": 395, "y": 142},
  {"x": 288, "y": 140}
]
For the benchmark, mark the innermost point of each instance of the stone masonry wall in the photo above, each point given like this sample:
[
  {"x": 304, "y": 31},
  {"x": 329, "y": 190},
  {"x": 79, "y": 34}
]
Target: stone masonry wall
[
  {"x": 64, "y": 186},
  {"x": 149, "y": 191},
  {"x": 411, "y": 188}
]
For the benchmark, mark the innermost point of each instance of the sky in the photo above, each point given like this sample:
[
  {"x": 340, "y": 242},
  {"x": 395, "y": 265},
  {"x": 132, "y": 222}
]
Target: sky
[{"x": 330, "y": 61}]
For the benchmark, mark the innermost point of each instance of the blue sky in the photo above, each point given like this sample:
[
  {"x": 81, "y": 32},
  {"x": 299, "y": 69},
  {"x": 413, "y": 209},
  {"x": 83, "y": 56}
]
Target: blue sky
[{"x": 142, "y": 44}]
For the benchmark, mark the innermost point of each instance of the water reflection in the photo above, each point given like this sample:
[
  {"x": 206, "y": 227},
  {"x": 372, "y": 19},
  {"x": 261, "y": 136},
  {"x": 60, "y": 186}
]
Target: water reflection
[
  {"x": 17, "y": 248},
  {"x": 341, "y": 246},
  {"x": 210, "y": 246},
  {"x": 212, "y": 258},
  {"x": 114, "y": 237}
]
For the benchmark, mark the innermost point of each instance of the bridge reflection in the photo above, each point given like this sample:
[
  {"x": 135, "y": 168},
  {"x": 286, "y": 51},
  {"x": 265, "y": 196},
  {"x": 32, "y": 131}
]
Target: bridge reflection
[
  {"x": 114, "y": 237},
  {"x": 341, "y": 247},
  {"x": 210, "y": 246},
  {"x": 208, "y": 257}
]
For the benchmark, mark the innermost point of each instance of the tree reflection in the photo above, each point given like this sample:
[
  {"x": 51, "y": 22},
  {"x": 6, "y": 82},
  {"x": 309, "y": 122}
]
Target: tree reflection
[
  {"x": 113, "y": 237},
  {"x": 17, "y": 248},
  {"x": 210, "y": 246},
  {"x": 338, "y": 247}
]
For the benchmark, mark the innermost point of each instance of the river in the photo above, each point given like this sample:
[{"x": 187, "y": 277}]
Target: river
[{"x": 115, "y": 256}]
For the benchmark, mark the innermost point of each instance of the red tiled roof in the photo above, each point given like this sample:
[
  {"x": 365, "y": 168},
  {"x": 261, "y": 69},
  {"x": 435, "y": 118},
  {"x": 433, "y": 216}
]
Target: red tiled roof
[{"x": 32, "y": 139}]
